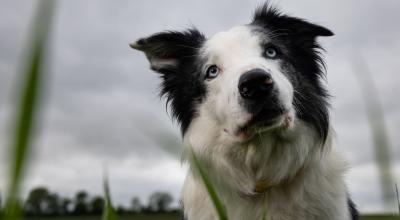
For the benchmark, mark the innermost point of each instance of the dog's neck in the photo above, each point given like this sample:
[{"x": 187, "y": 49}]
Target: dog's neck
[
  {"x": 262, "y": 186},
  {"x": 270, "y": 159}
]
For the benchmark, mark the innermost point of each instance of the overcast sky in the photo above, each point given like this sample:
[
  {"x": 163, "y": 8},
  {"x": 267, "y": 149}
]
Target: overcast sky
[{"x": 101, "y": 108}]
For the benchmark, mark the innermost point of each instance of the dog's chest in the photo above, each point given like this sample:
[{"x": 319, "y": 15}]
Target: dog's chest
[
  {"x": 316, "y": 194},
  {"x": 276, "y": 204}
]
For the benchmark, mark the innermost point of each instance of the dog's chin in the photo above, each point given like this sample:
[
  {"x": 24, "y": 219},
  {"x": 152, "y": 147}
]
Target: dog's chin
[{"x": 265, "y": 122}]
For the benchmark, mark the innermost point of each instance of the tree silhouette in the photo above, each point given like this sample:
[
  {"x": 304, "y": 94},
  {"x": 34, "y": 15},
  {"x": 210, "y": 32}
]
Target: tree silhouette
[
  {"x": 136, "y": 205},
  {"x": 121, "y": 209},
  {"x": 65, "y": 204},
  {"x": 53, "y": 204},
  {"x": 81, "y": 204},
  {"x": 37, "y": 202},
  {"x": 160, "y": 201},
  {"x": 97, "y": 205},
  {"x": 43, "y": 202}
]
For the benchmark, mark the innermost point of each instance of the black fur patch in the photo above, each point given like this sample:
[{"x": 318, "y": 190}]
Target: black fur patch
[
  {"x": 353, "y": 210},
  {"x": 182, "y": 84},
  {"x": 305, "y": 66}
]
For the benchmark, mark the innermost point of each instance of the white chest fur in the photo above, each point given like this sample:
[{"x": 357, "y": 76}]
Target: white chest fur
[{"x": 308, "y": 176}]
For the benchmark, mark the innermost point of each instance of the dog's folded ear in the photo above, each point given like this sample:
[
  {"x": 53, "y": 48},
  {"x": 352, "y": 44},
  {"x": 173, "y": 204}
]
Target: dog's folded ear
[
  {"x": 167, "y": 50},
  {"x": 282, "y": 25},
  {"x": 306, "y": 29}
]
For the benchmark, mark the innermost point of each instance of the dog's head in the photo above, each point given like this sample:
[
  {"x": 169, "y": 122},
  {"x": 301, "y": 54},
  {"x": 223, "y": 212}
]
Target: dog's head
[{"x": 254, "y": 78}]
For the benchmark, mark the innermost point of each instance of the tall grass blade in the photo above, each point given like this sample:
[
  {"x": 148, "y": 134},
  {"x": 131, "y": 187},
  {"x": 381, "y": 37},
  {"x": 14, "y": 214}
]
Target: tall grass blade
[
  {"x": 108, "y": 212},
  {"x": 397, "y": 196},
  {"x": 220, "y": 208},
  {"x": 265, "y": 209},
  {"x": 378, "y": 129},
  {"x": 31, "y": 77}
]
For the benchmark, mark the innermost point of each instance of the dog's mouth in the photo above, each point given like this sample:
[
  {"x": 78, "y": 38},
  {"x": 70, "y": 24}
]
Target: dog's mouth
[{"x": 265, "y": 120}]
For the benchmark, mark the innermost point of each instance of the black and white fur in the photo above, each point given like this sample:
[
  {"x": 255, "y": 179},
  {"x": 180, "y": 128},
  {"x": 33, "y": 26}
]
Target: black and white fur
[{"x": 248, "y": 130}]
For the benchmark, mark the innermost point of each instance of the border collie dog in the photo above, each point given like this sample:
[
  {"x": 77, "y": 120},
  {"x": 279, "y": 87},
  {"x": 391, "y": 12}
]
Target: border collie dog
[{"x": 253, "y": 109}]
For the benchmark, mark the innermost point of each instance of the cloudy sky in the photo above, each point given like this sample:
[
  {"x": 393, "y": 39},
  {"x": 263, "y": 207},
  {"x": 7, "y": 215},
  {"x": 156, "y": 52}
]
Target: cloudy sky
[{"x": 100, "y": 106}]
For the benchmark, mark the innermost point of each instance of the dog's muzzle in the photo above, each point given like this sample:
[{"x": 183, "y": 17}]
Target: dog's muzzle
[{"x": 259, "y": 96}]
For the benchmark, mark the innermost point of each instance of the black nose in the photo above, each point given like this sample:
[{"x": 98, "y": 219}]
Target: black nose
[{"x": 255, "y": 84}]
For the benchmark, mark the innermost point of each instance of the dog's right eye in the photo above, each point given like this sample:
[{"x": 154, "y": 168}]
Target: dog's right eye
[{"x": 212, "y": 72}]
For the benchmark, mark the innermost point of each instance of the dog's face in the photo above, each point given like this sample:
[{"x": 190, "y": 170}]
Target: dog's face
[
  {"x": 250, "y": 79},
  {"x": 248, "y": 86}
]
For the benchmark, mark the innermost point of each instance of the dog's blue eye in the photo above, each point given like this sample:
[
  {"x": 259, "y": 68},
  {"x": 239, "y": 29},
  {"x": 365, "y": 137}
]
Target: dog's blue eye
[
  {"x": 212, "y": 72},
  {"x": 271, "y": 52}
]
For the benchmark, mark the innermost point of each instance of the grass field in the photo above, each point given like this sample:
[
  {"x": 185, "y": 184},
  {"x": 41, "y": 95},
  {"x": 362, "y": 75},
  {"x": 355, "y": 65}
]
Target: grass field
[
  {"x": 380, "y": 217},
  {"x": 175, "y": 217}
]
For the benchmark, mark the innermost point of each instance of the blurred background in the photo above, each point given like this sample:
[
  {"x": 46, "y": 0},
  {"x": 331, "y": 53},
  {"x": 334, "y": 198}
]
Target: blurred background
[{"x": 100, "y": 106}]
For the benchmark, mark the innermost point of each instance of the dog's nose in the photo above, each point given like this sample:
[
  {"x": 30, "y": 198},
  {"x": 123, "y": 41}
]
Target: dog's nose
[{"x": 255, "y": 84}]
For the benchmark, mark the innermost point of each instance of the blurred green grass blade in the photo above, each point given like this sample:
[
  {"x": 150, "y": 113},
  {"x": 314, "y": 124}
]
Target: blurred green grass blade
[
  {"x": 397, "y": 196},
  {"x": 380, "y": 135},
  {"x": 220, "y": 208},
  {"x": 264, "y": 215},
  {"x": 108, "y": 212},
  {"x": 31, "y": 75},
  {"x": 264, "y": 210}
]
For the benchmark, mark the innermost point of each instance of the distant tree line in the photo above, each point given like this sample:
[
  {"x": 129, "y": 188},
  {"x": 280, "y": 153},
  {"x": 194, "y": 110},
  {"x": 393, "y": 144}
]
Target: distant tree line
[{"x": 42, "y": 202}]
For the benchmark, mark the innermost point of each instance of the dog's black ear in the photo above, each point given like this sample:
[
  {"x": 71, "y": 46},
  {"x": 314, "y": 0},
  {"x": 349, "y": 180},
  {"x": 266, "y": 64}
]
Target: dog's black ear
[
  {"x": 166, "y": 50},
  {"x": 279, "y": 24}
]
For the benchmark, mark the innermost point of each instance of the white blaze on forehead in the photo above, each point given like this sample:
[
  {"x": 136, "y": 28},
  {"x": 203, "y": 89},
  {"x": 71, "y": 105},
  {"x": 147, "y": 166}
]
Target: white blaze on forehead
[{"x": 230, "y": 46}]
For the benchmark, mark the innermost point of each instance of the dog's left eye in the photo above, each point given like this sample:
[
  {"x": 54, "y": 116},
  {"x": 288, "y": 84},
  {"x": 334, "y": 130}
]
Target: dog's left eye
[
  {"x": 271, "y": 52},
  {"x": 212, "y": 72}
]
